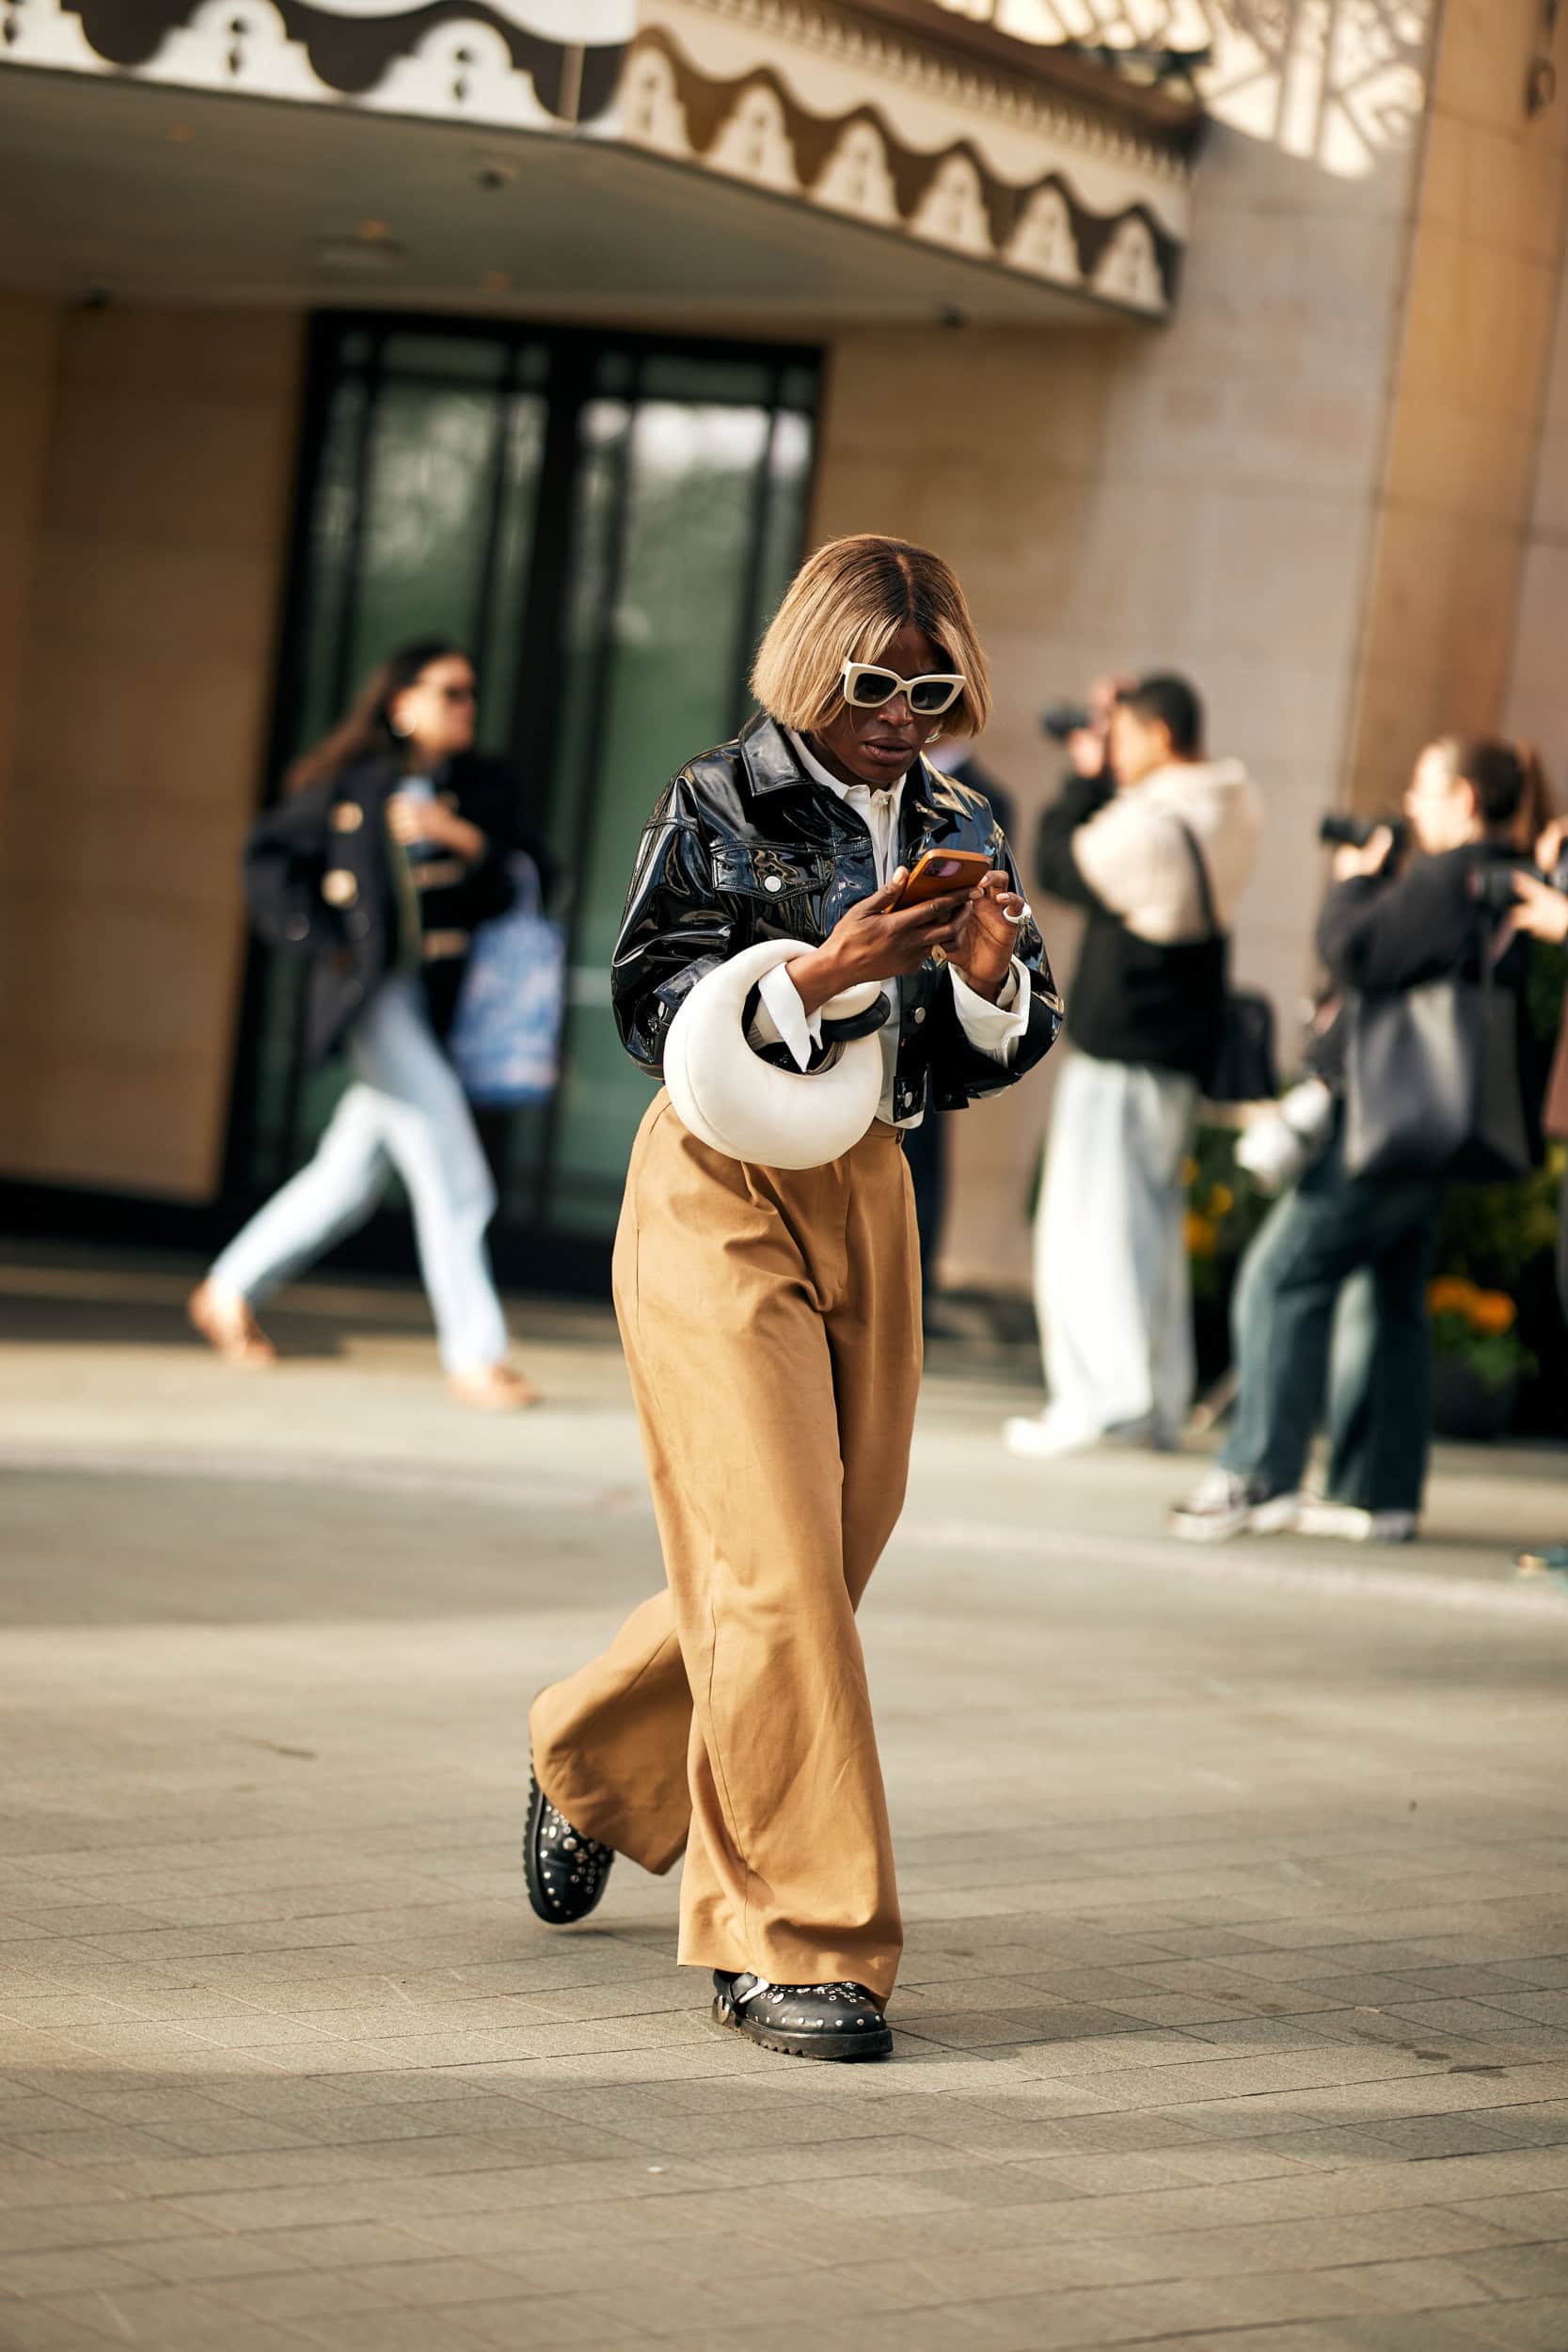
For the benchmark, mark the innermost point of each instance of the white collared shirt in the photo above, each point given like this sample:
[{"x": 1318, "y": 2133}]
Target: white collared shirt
[{"x": 993, "y": 1029}]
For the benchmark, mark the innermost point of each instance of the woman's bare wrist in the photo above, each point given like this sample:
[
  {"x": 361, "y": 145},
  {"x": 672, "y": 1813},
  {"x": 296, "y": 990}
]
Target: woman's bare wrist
[
  {"x": 988, "y": 988},
  {"x": 815, "y": 978}
]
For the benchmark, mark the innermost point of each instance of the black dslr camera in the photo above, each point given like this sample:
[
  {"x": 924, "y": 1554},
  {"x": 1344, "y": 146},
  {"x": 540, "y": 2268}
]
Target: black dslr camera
[
  {"x": 1339, "y": 829},
  {"x": 1492, "y": 885}
]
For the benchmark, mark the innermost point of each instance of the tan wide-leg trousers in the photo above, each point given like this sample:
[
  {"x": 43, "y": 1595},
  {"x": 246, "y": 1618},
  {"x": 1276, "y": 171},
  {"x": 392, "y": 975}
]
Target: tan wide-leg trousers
[{"x": 772, "y": 1324}]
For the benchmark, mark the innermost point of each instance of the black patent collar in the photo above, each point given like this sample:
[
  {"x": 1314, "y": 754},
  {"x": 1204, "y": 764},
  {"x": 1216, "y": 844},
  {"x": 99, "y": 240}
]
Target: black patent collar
[
  {"x": 772, "y": 766},
  {"x": 769, "y": 757}
]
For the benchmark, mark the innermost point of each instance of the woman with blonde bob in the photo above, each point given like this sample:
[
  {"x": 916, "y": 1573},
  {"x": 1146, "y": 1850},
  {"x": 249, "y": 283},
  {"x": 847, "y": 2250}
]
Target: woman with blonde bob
[{"x": 771, "y": 1315}]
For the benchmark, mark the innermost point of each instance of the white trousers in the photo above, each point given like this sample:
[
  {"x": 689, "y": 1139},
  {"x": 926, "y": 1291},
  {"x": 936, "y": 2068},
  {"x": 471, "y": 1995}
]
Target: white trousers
[
  {"x": 1110, "y": 1285},
  {"x": 406, "y": 1110}
]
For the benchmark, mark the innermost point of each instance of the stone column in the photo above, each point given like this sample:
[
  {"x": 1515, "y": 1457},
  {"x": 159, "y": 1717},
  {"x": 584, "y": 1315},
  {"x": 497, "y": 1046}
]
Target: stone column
[
  {"x": 146, "y": 667},
  {"x": 1467, "y": 401},
  {"x": 29, "y": 327}
]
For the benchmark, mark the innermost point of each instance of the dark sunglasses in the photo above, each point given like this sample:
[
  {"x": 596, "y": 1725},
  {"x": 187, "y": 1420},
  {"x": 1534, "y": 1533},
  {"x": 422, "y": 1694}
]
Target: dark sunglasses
[{"x": 867, "y": 686}]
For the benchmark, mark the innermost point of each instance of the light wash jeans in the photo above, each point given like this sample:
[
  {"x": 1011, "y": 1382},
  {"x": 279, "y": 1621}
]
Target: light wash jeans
[
  {"x": 406, "y": 1111},
  {"x": 1111, "y": 1284},
  {"x": 1329, "y": 1319}
]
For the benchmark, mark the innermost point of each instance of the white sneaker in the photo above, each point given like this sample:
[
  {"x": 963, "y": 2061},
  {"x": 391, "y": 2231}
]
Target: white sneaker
[
  {"x": 1348, "y": 1524},
  {"x": 1046, "y": 1437},
  {"x": 1225, "y": 1503}
]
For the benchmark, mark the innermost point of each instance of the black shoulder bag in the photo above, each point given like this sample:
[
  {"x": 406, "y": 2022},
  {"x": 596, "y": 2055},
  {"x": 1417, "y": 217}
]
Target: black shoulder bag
[
  {"x": 1433, "y": 1082},
  {"x": 1244, "y": 1068}
]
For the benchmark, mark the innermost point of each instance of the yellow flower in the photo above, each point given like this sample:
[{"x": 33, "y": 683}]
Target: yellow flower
[
  {"x": 1221, "y": 1200},
  {"x": 1493, "y": 1311},
  {"x": 1450, "y": 1294},
  {"x": 1200, "y": 1236}
]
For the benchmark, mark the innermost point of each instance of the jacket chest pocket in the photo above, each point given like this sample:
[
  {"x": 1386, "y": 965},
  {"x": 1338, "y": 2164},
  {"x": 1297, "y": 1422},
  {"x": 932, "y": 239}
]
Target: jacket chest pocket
[{"x": 770, "y": 870}]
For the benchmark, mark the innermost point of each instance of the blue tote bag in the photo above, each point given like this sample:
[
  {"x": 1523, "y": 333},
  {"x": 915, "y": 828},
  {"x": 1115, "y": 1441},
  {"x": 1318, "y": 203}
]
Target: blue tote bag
[{"x": 505, "y": 1038}]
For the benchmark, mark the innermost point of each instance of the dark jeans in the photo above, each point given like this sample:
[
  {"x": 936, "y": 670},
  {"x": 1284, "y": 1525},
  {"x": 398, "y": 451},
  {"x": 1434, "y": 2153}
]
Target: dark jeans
[
  {"x": 1331, "y": 1229},
  {"x": 925, "y": 1150}
]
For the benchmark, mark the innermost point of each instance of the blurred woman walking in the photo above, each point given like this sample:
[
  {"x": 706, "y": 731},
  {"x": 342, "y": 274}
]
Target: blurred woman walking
[{"x": 388, "y": 848}]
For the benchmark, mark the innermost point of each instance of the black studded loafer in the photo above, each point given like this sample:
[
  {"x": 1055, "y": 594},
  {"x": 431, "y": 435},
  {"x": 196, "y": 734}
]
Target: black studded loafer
[
  {"x": 809, "y": 2021},
  {"x": 566, "y": 1872}
]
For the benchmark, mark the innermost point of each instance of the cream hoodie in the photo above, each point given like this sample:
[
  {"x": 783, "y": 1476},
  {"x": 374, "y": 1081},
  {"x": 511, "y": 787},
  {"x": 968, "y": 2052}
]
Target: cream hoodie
[{"x": 1135, "y": 857}]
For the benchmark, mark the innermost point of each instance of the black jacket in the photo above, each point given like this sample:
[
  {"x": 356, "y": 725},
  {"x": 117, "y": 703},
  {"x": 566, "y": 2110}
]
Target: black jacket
[
  {"x": 320, "y": 882},
  {"x": 1132, "y": 999},
  {"x": 744, "y": 847},
  {"x": 1382, "y": 934},
  {"x": 1387, "y": 933}
]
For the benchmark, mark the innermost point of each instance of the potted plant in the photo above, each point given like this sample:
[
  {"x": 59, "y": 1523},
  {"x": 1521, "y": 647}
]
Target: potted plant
[
  {"x": 1503, "y": 1238},
  {"x": 1224, "y": 1209},
  {"x": 1478, "y": 1359}
]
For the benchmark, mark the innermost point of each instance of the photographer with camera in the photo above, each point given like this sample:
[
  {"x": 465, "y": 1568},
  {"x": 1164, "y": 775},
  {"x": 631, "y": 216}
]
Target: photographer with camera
[
  {"x": 1155, "y": 842},
  {"x": 1368, "y": 1202},
  {"x": 1543, "y": 913}
]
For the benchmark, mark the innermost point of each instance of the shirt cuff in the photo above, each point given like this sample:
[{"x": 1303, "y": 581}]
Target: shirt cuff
[
  {"x": 992, "y": 1030},
  {"x": 781, "y": 1019}
]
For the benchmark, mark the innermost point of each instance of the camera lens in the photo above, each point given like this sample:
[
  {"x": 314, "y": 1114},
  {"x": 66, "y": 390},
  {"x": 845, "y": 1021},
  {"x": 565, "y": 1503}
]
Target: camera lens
[{"x": 1341, "y": 831}]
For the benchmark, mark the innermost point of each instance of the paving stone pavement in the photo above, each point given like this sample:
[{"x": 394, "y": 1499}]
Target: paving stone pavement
[{"x": 1235, "y": 2011}]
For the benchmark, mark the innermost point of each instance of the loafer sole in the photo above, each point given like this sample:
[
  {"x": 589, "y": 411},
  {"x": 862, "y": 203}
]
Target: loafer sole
[
  {"x": 539, "y": 1902},
  {"x": 839, "y": 2049}
]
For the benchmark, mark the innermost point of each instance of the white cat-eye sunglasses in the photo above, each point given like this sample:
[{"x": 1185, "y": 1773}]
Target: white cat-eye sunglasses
[{"x": 869, "y": 684}]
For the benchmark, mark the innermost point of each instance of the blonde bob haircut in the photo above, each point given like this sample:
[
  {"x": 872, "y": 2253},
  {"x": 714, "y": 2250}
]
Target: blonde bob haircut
[{"x": 846, "y": 603}]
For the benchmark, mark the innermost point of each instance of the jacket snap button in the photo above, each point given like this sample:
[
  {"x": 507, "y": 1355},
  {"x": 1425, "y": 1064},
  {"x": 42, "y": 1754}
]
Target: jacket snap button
[
  {"x": 920, "y": 1012},
  {"x": 338, "y": 887},
  {"x": 297, "y": 927},
  {"x": 774, "y": 883}
]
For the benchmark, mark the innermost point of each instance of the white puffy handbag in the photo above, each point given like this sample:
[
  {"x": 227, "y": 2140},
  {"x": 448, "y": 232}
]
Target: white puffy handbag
[{"x": 737, "y": 1104}]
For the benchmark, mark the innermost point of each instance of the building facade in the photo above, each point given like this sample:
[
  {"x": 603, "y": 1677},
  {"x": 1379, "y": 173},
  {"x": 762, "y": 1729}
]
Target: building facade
[{"x": 566, "y": 325}]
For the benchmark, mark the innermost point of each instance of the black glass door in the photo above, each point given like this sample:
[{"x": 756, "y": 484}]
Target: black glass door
[{"x": 606, "y": 521}]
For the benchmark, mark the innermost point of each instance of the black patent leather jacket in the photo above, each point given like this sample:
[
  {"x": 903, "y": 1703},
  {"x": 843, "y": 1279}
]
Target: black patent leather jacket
[{"x": 744, "y": 846}]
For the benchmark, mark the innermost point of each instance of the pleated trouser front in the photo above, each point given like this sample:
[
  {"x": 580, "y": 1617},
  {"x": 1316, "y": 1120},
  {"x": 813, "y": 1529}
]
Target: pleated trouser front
[{"x": 772, "y": 1324}]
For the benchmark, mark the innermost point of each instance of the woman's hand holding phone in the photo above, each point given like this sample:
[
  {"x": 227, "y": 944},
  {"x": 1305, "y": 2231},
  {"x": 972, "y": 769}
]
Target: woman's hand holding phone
[
  {"x": 877, "y": 940},
  {"x": 880, "y": 939},
  {"x": 415, "y": 820}
]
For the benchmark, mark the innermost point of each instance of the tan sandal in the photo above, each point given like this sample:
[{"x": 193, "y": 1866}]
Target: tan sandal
[
  {"x": 226, "y": 1321},
  {"x": 495, "y": 1389}
]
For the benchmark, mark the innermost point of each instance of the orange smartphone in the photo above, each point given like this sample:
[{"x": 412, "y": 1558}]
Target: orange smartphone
[{"x": 941, "y": 871}]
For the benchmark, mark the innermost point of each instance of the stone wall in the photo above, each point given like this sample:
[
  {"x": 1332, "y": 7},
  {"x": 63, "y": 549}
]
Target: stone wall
[
  {"x": 1537, "y": 703},
  {"x": 146, "y": 668},
  {"x": 1455, "y": 540},
  {"x": 1536, "y": 707},
  {"x": 1200, "y": 498},
  {"x": 28, "y": 333}
]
